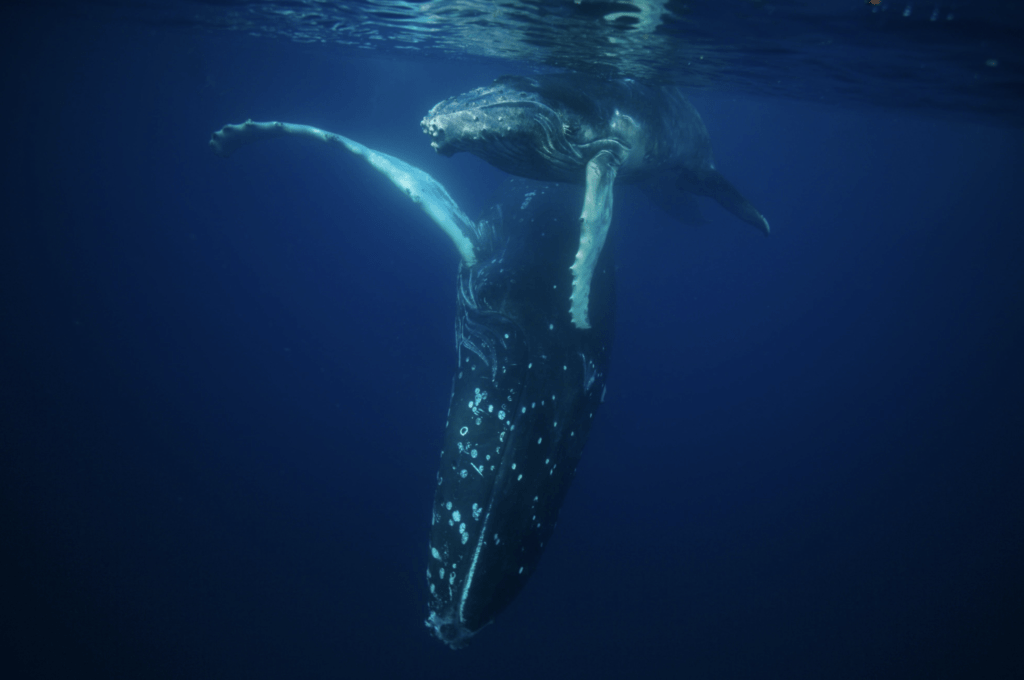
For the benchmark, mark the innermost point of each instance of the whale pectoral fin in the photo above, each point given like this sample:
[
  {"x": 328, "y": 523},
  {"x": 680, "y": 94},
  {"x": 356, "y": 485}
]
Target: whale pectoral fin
[
  {"x": 709, "y": 182},
  {"x": 420, "y": 187},
  {"x": 594, "y": 222}
]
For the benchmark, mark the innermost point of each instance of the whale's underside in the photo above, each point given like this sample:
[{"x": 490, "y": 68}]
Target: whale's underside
[{"x": 526, "y": 390}]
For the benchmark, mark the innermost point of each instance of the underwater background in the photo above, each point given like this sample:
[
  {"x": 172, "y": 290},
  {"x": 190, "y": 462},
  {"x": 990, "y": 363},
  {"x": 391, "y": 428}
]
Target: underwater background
[{"x": 223, "y": 382}]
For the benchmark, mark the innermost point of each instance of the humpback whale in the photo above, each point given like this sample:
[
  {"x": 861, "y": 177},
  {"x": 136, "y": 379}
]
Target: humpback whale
[
  {"x": 526, "y": 387},
  {"x": 570, "y": 128}
]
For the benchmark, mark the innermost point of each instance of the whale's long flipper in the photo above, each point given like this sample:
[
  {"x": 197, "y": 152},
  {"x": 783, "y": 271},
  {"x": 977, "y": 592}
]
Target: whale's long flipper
[
  {"x": 594, "y": 222},
  {"x": 420, "y": 187}
]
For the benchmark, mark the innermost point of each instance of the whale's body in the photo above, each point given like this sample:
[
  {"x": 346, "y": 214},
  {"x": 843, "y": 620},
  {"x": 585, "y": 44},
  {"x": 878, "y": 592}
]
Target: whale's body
[
  {"x": 571, "y": 128},
  {"x": 526, "y": 387}
]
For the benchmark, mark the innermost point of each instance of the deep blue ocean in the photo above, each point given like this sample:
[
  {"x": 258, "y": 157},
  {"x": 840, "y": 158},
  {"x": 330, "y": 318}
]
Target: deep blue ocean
[{"x": 223, "y": 383}]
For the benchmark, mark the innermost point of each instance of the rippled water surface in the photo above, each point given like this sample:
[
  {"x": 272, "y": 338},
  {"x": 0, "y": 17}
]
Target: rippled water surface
[{"x": 962, "y": 57}]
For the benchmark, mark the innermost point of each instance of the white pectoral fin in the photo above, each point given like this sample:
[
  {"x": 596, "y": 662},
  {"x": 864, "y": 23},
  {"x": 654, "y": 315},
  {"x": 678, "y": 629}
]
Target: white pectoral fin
[
  {"x": 423, "y": 189},
  {"x": 595, "y": 220}
]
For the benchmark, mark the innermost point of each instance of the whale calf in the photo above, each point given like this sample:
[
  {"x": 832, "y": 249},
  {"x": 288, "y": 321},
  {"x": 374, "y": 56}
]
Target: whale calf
[
  {"x": 526, "y": 388},
  {"x": 571, "y": 128}
]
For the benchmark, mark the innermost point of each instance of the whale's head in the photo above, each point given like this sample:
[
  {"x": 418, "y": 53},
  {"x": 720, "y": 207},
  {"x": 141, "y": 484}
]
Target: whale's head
[{"x": 520, "y": 126}]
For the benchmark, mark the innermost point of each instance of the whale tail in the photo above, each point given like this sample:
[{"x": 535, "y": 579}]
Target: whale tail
[{"x": 709, "y": 182}]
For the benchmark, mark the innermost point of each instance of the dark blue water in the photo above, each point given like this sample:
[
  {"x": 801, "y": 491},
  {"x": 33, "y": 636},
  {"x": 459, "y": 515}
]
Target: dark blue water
[{"x": 223, "y": 385}]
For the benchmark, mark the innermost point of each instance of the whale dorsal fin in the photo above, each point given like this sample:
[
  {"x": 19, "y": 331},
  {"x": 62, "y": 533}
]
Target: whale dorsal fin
[{"x": 421, "y": 188}]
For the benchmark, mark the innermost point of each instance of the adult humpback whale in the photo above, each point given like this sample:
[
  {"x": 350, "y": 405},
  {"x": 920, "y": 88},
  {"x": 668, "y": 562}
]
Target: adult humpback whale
[
  {"x": 526, "y": 386},
  {"x": 570, "y": 128}
]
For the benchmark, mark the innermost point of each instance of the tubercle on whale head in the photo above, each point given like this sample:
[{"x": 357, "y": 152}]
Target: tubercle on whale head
[
  {"x": 472, "y": 121},
  {"x": 474, "y": 130},
  {"x": 454, "y": 132}
]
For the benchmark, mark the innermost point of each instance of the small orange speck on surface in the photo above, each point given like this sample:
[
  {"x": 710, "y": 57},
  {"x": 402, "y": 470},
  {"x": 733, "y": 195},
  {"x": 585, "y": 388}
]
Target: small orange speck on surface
[{"x": 875, "y": 2}]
